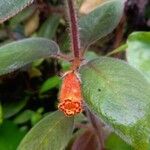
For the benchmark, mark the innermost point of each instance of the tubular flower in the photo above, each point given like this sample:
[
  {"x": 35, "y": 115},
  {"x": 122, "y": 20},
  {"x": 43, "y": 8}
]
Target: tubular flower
[{"x": 70, "y": 96}]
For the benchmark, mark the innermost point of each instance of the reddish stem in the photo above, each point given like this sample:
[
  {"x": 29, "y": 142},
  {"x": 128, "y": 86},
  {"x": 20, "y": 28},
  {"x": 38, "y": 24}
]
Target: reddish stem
[
  {"x": 75, "y": 39},
  {"x": 97, "y": 125}
]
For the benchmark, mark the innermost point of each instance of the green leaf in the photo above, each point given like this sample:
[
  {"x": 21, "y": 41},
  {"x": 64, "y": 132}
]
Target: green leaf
[
  {"x": 120, "y": 96},
  {"x": 65, "y": 65},
  {"x": 49, "y": 27},
  {"x": 12, "y": 108},
  {"x": 80, "y": 118},
  {"x": 24, "y": 117},
  {"x": 29, "y": 115},
  {"x": 90, "y": 55},
  {"x": 64, "y": 42},
  {"x": 34, "y": 72},
  {"x": 18, "y": 54},
  {"x": 51, "y": 133},
  {"x": 36, "y": 116},
  {"x": 9, "y": 8},
  {"x": 101, "y": 21},
  {"x": 1, "y": 114},
  {"x": 49, "y": 84},
  {"x": 37, "y": 63},
  {"x": 122, "y": 48},
  {"x": 10, "y": 136},
  {"x": 113, "y": 142},
  {"x": 22, "y": 16},
  {"x": 138, "y": 52}
]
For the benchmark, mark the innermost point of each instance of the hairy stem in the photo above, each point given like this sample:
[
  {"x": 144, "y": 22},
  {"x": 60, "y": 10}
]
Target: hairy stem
[
  {"x": 97, "y": 125},
  {"x": 73, "y": 22}
]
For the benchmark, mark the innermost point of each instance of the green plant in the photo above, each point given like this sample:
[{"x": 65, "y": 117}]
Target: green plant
[{"x": 117, "y": 92}]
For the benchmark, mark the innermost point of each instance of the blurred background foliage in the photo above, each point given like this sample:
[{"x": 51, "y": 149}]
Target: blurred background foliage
[{"x": 28, "y": 94}]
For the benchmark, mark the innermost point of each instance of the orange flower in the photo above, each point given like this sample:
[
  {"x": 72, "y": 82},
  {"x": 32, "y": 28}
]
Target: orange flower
[{"x": 70, "y": 94}]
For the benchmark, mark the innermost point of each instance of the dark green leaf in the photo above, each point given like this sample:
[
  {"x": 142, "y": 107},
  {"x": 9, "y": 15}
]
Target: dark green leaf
[
  {"x": 1, "y": 114},
  {"x": 113, "y": 142},
  {"x": 64, "y": 42},
  {"x": 34, "y": 72},
  {"x": 120, "y": 49},
  {"x": 65, "y": 65},
  {"x": 90, "y": 55},
  {"x": 51, "y": 133},
  {"x": 101, "y": 21},
  {"x": 23, "y": 117},
  {"x": 49, "y": 27},
  {"x": 37, "y": 63},
  {"x": 50, "y": 83},
  {"x": 10, "y": 136},
  {"x": 22, "y": 16},
  {"x": 12, "y": 108},
  {"x": 138, "y": 52},
  {"x": 17, "y": 54},
  {"x": 10, "y": 8},
  {"x": 120, "y": 96},
  {"x": 29, "y": 115},
  {"x": 36, "y": 116}
]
